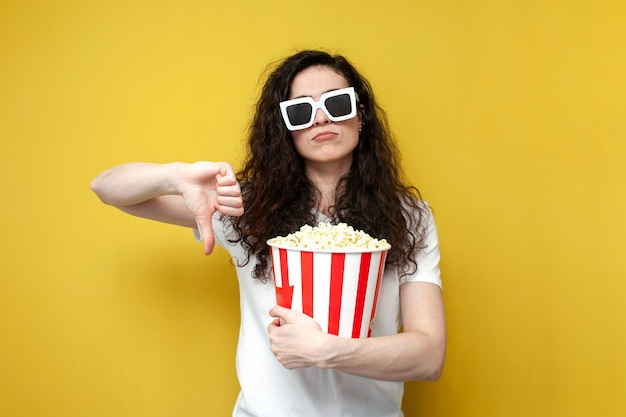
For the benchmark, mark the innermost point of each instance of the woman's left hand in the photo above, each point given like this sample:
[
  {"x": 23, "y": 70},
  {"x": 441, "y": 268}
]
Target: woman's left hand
[{"x": 296, "y": 339}]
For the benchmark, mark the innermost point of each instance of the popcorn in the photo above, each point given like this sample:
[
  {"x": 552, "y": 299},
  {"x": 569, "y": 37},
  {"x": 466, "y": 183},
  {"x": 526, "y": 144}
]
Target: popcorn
[{"x": 326, "y": 236}]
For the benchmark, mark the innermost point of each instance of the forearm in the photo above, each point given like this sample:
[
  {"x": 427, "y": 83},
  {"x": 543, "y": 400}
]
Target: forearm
[
  {"x": 416, "y": 354},
  {"x": 177, "y": 193},
  {"x": 401, "y": 357},
  {"x": 135, "y": 182}
]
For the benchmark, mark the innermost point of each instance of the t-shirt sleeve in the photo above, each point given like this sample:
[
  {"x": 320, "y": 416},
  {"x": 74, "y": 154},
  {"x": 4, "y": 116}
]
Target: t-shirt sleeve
[
  {"x": 197, "y": 234},
  {"x": 428, "y": 258}
]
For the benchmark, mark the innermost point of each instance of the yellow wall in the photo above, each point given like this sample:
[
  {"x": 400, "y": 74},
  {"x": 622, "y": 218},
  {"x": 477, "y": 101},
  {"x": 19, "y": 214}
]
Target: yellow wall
[{"x": 510, "y": 115}]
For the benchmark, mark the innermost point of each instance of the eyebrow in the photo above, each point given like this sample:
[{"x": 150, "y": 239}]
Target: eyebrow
[{"x": 327, "y": 91}]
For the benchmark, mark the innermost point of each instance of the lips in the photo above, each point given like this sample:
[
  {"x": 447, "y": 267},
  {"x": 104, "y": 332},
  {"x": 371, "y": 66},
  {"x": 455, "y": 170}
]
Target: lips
[{"x": 325, "y": 135}]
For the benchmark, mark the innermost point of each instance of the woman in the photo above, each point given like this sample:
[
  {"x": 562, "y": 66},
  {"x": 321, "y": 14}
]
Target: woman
[{"x": 319, "y": 150}]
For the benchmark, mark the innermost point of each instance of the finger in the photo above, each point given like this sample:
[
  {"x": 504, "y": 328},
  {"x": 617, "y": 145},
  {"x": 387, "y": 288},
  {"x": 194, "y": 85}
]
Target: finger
[
  {"x": 282, "y": 313},
  {"x": 230, "y": 194},
  {"x": 206, "y": 230},
  {"x": 230, "y": 189},
  {"x": 230, "y": 211},
  {"x": 226, "y": 172},
  {"x": 229, "y": 200},
  {"x": 230, "y": 206},
  {"x": 227, "y": 179},
  {"x": 274, "y": 324}
]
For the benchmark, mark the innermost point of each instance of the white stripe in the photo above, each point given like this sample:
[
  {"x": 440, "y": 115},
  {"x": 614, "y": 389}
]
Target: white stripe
[
  {"x": 295, "y": 278},
  {"x": 321, "y": 288},
  {"x": 276, "y": 265},
  {"x": 348, "y": 296}
]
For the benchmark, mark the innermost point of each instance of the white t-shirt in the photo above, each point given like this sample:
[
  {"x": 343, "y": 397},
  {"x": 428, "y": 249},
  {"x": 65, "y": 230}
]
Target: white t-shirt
[{"x": 270, "y": 390}]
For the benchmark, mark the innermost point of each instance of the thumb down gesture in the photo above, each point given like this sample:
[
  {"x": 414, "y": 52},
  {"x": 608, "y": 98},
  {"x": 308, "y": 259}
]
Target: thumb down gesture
[{"x": 208, "y": 187}]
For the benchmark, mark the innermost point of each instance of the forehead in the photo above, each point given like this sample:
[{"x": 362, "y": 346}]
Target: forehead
[{"x": 316, "y": 80}]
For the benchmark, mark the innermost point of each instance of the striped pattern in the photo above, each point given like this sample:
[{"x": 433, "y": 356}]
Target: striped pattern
[{"x": 339, "y": 290}]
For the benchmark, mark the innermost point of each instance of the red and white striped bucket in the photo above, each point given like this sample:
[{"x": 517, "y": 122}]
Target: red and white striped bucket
[{"x": 339, "y": 289}]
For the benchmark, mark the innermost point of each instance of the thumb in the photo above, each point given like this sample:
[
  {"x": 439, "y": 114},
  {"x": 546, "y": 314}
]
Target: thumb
[{"x": 205, "y": 227}]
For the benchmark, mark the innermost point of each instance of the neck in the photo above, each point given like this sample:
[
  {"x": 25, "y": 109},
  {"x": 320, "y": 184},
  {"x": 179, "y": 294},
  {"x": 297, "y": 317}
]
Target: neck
[{"x": 325, "y": 177}]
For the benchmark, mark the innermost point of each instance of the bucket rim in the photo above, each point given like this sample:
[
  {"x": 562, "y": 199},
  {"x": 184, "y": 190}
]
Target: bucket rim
[{"x": 346, "y": 250}]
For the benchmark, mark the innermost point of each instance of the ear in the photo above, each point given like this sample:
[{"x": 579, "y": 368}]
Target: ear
[{"x": 361, "y": 114}]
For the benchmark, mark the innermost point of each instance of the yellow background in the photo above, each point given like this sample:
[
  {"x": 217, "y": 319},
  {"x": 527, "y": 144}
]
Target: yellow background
[{"x": 511, "y": 119}]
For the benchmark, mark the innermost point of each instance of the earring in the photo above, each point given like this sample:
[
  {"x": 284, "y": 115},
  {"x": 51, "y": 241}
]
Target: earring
[{"x": 362, "y": 121}]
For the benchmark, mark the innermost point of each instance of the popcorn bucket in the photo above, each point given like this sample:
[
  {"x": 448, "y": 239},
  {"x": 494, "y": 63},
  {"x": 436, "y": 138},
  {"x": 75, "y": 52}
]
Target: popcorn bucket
[{"x": 339, "y": 289}]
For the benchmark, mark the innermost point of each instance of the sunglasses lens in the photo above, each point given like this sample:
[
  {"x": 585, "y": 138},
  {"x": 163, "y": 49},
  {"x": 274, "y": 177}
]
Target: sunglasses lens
[
  {"x": 299, "y": 114},
  {"x": 339, "y": 105}
]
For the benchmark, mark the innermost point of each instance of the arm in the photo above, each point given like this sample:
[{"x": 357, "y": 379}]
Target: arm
[
  {"x": 416, "y": 354},
  {"x": 177, "y": 193}
]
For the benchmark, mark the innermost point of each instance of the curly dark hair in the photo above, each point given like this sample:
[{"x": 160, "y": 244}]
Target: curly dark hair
[{"x": 279, "y": 198}]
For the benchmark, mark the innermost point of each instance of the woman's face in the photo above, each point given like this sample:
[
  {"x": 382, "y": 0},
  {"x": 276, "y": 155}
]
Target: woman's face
[{"x": 326, "y": 143}]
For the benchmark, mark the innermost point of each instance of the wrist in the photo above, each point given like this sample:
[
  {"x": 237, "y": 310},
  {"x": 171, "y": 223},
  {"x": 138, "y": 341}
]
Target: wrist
[
  {"x": 173, "y": 175},
  {"x": 332, "y": 351}
]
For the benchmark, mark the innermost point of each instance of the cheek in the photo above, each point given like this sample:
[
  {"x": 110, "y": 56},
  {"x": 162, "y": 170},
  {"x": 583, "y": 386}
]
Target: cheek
[
  {"x": 298, "y": 140},
  {"x": 352, "y": 132},
  {"x": 353, "y": 140}
]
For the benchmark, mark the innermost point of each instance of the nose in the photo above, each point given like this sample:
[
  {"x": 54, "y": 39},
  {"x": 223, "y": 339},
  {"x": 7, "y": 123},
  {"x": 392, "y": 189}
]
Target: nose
[{"x": 320, "y": 118}]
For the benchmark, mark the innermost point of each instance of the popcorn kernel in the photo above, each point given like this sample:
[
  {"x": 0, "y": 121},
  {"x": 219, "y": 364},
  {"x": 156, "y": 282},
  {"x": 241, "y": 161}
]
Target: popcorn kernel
[{"x": 326, "y": 236}]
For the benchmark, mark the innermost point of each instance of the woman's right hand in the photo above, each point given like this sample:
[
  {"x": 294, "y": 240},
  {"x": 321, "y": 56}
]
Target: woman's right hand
[
  {"x": 207, "y": 187},
  {"x": 176, "y": 193}
]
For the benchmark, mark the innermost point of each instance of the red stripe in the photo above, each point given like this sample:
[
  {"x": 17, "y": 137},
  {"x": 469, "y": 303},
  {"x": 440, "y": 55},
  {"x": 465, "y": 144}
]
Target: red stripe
[
  {"x": 284, "y": 293},
  {"x": 364, "y": 271},
  {"x": 306, "y": 259},
  {"x": 381, "y": 267},
  {"x": 336, "y": 288}
]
